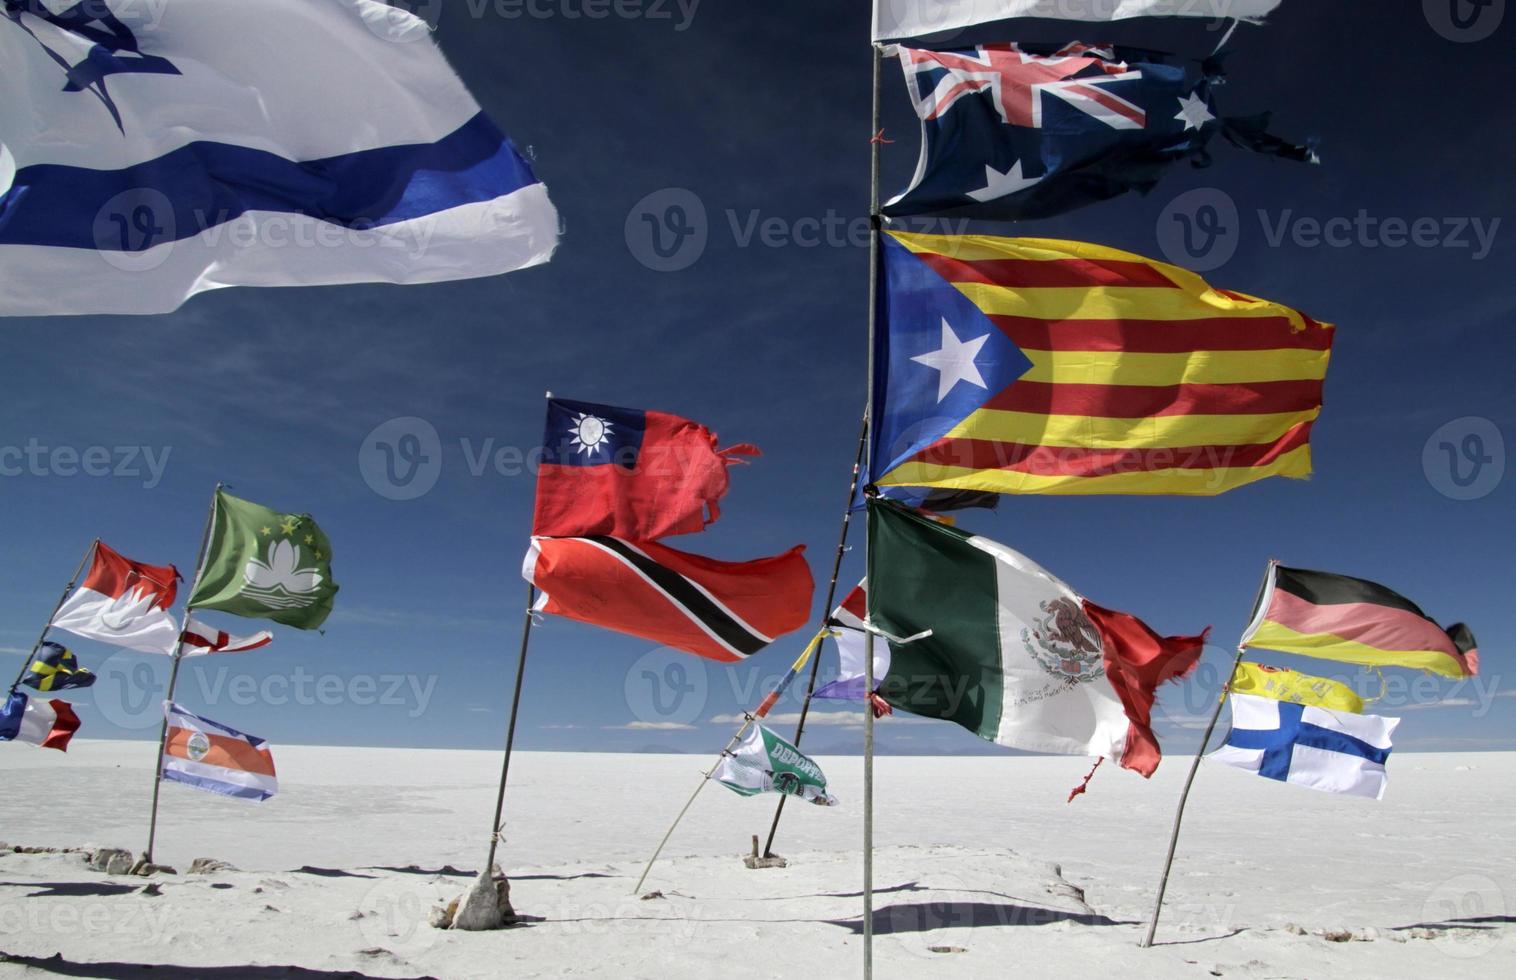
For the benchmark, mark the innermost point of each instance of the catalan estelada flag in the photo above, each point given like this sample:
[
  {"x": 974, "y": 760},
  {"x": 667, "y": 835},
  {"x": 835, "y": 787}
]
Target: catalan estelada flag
[
  {"x": 1335, "y": 617},
  {"x": 1022, "y": 365},
  {"x": 208, "y": 755}
]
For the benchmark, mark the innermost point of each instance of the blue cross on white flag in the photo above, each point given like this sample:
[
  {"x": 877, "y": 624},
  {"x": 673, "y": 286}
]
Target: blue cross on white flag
[
  {"x": 152, "y": 151},
  {"x": 1333, "y": 751}
]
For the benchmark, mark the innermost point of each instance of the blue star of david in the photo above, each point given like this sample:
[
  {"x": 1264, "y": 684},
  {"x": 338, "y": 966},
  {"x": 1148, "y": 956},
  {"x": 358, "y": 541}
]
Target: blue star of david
[{"x": 115, "y": 49}]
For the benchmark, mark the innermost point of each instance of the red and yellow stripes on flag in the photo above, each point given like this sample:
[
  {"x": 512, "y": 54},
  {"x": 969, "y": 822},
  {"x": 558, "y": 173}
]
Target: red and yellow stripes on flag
[{"x": 1144, "y": 378}]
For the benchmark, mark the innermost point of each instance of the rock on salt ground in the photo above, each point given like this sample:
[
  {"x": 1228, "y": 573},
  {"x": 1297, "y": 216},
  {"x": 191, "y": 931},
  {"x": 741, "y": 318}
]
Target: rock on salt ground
[{"x": 980, "y": 864}]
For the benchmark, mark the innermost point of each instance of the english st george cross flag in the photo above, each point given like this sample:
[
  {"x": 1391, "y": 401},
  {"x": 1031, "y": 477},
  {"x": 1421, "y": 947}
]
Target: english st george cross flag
[
  {"x": 917, "y": 18},
  {"x": 1017, "y": 131},
  {"x": 1016, "y": 656},
  {"x": 1333, "y": 751},
  {"x": 207, "y": 755},
  {"x": 152, "y": 151},
  {"x": 1028, "y": 365},
  {"x": 628, "y": 473},
  {"x": 720, "y": 610},
  {"x": 124, "y": 603}
]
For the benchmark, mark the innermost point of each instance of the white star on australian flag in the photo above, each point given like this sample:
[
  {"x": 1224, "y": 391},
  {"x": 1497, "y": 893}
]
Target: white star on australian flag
[
  {"x": 1193, "y": 111},
  {"x": 954, "y": 361}
]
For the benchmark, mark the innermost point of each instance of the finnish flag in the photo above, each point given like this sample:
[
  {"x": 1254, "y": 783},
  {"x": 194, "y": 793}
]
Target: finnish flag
[
  {"x": 150, "y": 151},
  {"x": 1333, "y": 751}
]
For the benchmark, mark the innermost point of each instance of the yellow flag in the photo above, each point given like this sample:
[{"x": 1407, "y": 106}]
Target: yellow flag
[{"x": 1282, "y": 684}]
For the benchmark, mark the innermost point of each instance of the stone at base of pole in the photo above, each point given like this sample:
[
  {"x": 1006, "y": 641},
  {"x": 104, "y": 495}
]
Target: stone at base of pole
[
  {"x": 754, "y": 861},
  {"x": 486, "y": 905}
]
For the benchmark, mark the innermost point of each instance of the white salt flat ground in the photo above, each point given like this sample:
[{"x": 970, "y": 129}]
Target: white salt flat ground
[{"x": 966, "y": 848}]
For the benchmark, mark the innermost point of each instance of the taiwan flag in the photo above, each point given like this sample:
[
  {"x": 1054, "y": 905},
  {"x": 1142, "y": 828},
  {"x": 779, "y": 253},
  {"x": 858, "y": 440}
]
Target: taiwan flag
[{"x": 628, "y": 473}]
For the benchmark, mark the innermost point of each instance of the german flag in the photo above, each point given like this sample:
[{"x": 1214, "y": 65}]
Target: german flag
[
  {"x": 1335, "y": 617},
  {"x": 1142, "y": 378}
]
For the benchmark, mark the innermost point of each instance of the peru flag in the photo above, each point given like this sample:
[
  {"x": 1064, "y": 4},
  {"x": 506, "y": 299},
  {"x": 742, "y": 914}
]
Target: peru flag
[
  {"x": 722, "y": 610},
  {"x": 628, "y": 473},
  {"x": 124, "y": 603},
  {"x": 209, "y": 756},
  {"x": 45, "y": 724}
]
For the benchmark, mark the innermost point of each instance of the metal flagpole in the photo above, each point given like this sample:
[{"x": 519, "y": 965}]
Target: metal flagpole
[
  {"x": 510, "y": 732},
  {"x": 1259, "y": 607},
  {"x": 26, "y": 664},
  {"x": 826, "y": 612},
  {"x": 173, "y": 677},
  {"x": 764, "y": 707},
  {"x": 868, "y": 646}
]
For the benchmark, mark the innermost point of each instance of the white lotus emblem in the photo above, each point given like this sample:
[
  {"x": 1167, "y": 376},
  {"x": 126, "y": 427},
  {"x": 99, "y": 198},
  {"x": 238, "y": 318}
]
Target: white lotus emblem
[
  {"x": 124, "y": 611},
  {"x": 279, "y": 582}
]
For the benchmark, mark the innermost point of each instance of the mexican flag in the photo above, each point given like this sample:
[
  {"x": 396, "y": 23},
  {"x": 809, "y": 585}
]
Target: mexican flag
[
  {"x": 264, "y": 564},
  {"x": 765, "y": 763},
  {"x": 1016, "y": 656}
]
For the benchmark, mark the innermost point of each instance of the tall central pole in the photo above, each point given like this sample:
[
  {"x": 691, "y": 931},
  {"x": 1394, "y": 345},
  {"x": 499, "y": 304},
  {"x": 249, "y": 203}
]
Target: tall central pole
[
  {"x": 868, "y": 645},
  {"x": 173, "y": 676}
]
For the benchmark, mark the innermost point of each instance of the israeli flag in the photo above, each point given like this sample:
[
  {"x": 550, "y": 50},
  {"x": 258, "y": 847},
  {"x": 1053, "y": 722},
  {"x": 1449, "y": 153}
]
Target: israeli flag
[
  {"x": 154, "y": 149},
  {"x": 1333, "y": 751}
]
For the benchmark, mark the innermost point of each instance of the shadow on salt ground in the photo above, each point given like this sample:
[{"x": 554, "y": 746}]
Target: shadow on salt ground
[
  {"x": 1202, "y": 939},
  {"x": 927, "y": 916},
  {"x": 448, "y": 871},
  {"x": 59, "y": 966},
  {"x": 1467, "y": 922},
  {"x": 70, "y": 889},
  {"x": 910, "y": 886},
  {"x": 306, "y": 869}
]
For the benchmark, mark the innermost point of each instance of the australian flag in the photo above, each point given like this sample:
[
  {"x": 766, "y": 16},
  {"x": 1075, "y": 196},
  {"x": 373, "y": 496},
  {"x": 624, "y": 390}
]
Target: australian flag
[{"x": 1013, "y": 131}]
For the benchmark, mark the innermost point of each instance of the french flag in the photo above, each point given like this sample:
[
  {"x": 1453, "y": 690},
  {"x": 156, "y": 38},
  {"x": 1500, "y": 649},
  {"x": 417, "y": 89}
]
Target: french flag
[
  {"x": 209, "y": 756},
  {"x": 46, "y": 724}
]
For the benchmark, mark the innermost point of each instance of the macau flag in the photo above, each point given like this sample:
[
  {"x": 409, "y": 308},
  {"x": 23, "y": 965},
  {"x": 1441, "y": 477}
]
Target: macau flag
[
  {"x": 263, "y": 564},
  {"x": 1022, "y": 365}
]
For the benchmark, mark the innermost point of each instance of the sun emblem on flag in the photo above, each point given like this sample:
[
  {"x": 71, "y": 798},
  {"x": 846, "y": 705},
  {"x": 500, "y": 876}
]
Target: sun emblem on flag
[
  {"x": 1065, "y": 643},
  {"x": 590, "y": 433}
]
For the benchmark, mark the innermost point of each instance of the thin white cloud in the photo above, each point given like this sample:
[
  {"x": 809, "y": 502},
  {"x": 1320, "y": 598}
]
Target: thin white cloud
[
  {"x": 649, "y": 726},
  {"x": 841, "y": 719},
  {"x": 16, "y": 650},
  {"x": 560, "y": 728}
]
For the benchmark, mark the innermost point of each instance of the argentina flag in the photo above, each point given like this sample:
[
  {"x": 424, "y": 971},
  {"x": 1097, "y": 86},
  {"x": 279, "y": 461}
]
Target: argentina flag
[{"x": 155, "y": 149}]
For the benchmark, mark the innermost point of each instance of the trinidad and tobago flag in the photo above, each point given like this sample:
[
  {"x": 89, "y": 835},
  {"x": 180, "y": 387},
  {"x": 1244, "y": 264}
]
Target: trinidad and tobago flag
[
  {"x": 628, "y": 473},
  {"x": 1334, "y": 617},
  {"x": 722, "y": 610}
]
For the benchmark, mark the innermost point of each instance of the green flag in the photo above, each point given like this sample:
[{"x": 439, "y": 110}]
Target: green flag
[
  {"x": 765, "y": 763},
  {"x": 265, "y": 565}
]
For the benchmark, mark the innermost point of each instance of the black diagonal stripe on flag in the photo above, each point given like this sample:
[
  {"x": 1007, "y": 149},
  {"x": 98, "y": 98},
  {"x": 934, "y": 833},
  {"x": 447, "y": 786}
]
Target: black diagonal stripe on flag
[
  {"x": 1329, "y": 589},
  {"x": 720, "y": 622}
]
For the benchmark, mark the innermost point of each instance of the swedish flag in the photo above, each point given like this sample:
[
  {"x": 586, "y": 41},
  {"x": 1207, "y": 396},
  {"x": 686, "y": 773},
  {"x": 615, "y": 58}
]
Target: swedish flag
[{"x": 56, "y": 669}]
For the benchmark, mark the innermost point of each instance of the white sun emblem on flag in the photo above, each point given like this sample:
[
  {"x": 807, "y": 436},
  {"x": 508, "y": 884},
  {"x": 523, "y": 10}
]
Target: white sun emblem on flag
[{"x": 590, "y": 433}]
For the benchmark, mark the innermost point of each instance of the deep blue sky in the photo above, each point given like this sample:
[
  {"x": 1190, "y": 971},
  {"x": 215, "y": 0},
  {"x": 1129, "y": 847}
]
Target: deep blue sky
[{"x": 761, "y": 111}]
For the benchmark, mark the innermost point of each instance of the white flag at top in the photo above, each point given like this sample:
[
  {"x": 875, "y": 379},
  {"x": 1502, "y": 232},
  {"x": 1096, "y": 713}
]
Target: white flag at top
[
  {"x": 152, "y": 151},
  {"x": 918, "y": 18}
]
